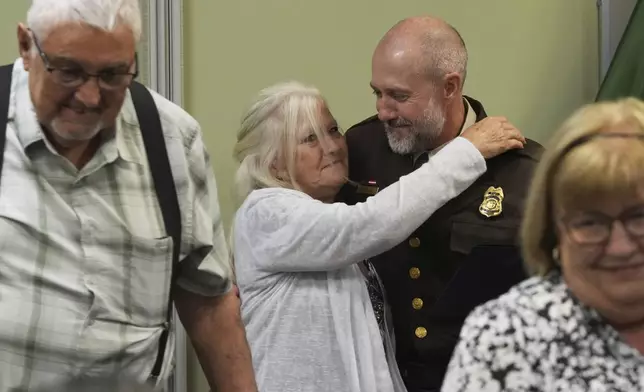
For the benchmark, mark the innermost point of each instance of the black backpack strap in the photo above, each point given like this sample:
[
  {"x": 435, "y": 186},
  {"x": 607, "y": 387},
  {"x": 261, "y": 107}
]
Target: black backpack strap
[
  {"x": 5, "y": 95},
  {"x": 148, "y": 114}
]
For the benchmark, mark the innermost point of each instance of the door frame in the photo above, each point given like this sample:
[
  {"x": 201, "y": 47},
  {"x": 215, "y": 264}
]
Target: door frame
[{"x": 165, "y": 38}]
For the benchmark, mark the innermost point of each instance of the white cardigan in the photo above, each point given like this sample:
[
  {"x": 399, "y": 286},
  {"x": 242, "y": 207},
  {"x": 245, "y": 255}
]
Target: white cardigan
[{"x": 305, "y": 304}]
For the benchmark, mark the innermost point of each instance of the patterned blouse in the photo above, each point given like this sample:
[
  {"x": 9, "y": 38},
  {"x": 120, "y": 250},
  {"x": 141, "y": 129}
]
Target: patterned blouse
[{"x": 538, "y": 337}]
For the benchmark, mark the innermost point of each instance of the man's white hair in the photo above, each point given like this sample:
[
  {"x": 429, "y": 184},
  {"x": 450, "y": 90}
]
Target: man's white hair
[{"x": 44, "y": 15}]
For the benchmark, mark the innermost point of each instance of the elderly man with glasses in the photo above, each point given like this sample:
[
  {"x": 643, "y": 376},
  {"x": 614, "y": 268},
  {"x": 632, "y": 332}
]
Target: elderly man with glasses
[{"x": 108, "y": 214}]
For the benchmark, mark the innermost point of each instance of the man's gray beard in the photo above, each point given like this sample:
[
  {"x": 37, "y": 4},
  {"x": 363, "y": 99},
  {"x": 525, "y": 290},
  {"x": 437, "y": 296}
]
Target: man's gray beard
[
  {"x": 76, "y": 136},
  {"x": 422, "y": 133}
]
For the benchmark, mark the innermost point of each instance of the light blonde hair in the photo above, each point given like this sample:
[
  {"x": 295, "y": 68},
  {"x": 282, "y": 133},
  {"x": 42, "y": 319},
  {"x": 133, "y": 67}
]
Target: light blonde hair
[
  {"x": 578, "y": 169},
  {"x": 270, "y": 132}
]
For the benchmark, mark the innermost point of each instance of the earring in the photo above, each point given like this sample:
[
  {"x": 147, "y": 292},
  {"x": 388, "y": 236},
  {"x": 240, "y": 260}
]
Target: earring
[{"x": 555, "y": 255}]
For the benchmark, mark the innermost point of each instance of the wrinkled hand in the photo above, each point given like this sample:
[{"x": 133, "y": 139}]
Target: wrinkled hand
[{"x": 493, "y": 136}]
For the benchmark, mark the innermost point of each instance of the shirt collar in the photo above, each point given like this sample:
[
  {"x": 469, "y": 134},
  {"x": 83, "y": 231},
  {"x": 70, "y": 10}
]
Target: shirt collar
[
  {"x": 21, "y": 109},
  {"x": 128, "y": 143},
  {"x": 470, "y": 116},
  {"x": 129, "y": 140},
  {"x": 469, "y": 120}
]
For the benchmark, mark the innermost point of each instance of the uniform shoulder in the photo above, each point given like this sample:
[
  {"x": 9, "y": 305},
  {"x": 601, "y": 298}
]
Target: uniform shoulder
[
  {"x": 364, "y": 125},
  {"x": 530, "y": 154},
  {"x": 532, "y": 150},
  {"x": 365, "y": 137}
]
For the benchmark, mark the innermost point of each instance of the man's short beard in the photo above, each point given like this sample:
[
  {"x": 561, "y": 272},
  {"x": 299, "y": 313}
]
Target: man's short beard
[
  {"x": 422, "y": 133},
  {"x": 79, "y": 136}
]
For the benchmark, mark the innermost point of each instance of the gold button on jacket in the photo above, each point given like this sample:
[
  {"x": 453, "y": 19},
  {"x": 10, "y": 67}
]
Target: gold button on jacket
[
  {"x": 420, "y": 332},
  {"x": 417, "y": 303},
  {"x": 414, "y": 272}
]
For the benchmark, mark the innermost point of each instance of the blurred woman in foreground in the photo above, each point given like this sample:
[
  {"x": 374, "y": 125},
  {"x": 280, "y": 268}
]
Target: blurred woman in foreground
[{"x": 578, "y": 325}]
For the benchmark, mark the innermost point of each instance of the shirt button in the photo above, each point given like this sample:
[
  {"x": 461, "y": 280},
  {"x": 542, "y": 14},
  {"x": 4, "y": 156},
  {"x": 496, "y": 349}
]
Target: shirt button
[
  {"x": 420, "y": 332},
  {"x": 414, "y": 272},
  {"x": 417, "y": 303},
  {"x": 414, "y": 242}
]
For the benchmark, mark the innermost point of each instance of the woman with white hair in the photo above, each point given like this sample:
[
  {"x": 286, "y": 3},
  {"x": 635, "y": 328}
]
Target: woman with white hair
[
  {"x": 305, "y": 304},
  {"x": 578, "y": 324}
]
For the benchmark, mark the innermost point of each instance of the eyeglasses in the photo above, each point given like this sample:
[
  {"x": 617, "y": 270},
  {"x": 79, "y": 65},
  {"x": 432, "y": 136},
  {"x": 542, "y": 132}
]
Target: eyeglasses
[
  {"x": 74, "y": 77},
  {"x": 594, "y": 228},
  {"x": 598, "y": 228}
]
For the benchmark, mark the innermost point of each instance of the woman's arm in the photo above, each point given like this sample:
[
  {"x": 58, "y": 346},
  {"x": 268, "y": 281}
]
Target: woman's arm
[{"x": 286, "y": 230}]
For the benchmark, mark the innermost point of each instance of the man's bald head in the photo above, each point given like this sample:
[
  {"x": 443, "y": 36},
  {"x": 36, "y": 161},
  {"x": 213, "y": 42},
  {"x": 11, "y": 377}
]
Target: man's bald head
[
  {"x": 417, "y": 76},
  {"x": 426, "y": 42}
]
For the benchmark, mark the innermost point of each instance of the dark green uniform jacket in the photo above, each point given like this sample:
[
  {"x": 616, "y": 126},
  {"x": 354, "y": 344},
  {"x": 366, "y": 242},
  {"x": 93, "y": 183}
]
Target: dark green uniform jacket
[{"x": 465, "y": 254}]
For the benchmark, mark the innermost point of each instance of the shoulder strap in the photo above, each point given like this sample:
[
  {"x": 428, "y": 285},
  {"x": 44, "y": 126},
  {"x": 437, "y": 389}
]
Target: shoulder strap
[
  {"x": 5, "y": 95},
  {"x": 148, "y": 114}
]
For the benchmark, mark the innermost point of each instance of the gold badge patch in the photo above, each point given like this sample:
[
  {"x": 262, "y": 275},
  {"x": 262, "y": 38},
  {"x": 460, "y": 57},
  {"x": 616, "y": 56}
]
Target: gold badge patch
[{"x": 492, "y": 204}]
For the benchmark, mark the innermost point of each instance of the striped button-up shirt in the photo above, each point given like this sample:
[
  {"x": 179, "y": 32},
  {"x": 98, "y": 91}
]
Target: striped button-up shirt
[{"x": 85, "y": 261}]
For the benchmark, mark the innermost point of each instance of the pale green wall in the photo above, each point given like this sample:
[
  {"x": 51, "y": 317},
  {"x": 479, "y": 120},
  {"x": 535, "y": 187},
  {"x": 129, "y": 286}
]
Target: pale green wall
[
  {"x": 531, "y": 60},
  {"x": 13, "y": 12}
]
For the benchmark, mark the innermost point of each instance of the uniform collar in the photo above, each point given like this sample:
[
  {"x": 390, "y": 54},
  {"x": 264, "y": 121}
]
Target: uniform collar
[
  {"x": 21, "y": 109},
  {"x": 129, "y": 140},
  {"x": 123, "y": 141},
  {"x": 469, "y": 119},
  {"x": 470, "y": 116}
]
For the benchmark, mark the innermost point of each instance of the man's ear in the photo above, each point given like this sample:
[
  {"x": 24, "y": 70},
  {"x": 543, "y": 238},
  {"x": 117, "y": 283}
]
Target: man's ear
[
  {"x": 25, "y": 43},
  {"x": 453, "y": 84}
]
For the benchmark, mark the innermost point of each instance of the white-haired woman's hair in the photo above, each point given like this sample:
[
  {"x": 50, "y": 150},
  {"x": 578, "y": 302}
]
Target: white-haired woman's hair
[
  {"x": 269, "y": 133},
  {"x": 44, "y": 15}
]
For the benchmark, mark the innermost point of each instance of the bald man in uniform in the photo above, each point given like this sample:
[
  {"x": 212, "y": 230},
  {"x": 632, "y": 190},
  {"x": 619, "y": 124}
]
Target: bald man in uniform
[{"x": 467, "y": 252}]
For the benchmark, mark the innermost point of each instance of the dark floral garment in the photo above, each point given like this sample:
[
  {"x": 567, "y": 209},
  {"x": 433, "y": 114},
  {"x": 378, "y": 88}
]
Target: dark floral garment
[
  {"x": 376, "y": 293},
  {"x": 538, "y": 337}
]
